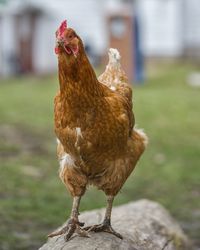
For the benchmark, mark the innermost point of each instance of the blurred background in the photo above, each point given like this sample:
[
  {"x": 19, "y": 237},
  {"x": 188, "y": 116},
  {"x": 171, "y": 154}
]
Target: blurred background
[{"x": 160, "y": 46}]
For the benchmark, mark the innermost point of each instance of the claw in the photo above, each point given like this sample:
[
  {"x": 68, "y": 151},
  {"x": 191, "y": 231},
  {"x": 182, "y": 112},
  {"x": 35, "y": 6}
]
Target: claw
[{"x": 81, "y": 224}]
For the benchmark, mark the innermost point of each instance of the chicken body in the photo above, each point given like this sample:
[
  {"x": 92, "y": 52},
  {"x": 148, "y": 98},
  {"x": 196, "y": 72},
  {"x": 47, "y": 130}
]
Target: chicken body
[{"x": 94, "y": 124}]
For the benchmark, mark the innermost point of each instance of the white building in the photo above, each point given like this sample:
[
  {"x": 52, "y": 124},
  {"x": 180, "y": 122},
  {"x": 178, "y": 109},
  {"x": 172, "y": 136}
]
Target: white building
[
  {"x": 169, "y": 28},
  {"x": 161, "y": 27},
  {"x": 191, "y": 28},
  {"x": 28, "y": 29}
]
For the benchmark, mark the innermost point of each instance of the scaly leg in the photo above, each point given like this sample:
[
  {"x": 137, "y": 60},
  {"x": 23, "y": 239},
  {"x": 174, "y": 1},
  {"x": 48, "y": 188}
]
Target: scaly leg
[
  {"x": 73, "y": 224},
  {"x": 105, "y": 226}
]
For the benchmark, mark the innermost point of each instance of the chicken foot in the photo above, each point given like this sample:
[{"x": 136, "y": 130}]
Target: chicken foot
[
  {"x": 105, "y": 226},
  {"x": 73, "y": 225}
]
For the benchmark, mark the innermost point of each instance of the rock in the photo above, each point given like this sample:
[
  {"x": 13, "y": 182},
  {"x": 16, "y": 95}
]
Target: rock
[
  {"x": 145, "y": 225},
  {"x": 194, "y": 79}
]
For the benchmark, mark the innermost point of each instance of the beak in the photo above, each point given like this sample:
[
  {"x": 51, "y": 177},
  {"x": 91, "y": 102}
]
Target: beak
[{"x": 60, "y": 41}]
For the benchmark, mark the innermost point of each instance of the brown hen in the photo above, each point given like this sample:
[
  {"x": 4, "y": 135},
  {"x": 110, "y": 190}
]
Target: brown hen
[{"x": 94, "y": 123}]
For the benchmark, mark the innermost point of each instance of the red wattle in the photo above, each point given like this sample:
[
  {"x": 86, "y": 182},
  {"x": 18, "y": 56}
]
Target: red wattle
[{"x": 57, "y": 50}]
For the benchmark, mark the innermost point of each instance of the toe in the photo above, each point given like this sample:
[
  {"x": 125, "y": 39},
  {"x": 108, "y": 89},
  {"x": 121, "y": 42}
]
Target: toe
[
  {"x": 103, "y": 228},
  {"x": 116, "y": 234},
  {"x": 81, "y": 232},
  {"x": 72, "y": 228},
  {"x": 59, "y": 232},
  {"x": 90, "y": 228},
  {"x": 112, "y": 231}
]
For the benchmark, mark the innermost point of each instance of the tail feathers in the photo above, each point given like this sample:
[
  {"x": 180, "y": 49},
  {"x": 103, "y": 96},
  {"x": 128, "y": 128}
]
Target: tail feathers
[{"x": 114, "y": 57}]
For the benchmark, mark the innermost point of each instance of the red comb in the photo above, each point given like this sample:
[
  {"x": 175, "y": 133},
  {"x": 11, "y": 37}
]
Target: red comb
[{"x": 62, "y": 27}]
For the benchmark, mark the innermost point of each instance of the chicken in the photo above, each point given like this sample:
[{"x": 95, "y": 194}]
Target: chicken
[{"x": 94, "y": 123}]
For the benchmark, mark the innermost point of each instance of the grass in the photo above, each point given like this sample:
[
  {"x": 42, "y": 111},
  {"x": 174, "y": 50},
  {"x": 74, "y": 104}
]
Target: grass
[{"x": 33, "y": 199}]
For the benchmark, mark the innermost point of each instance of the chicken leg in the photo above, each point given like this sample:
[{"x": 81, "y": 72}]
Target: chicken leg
[
  {"x": 105, "y": 226},
  {"x": 73, "y": 225}
]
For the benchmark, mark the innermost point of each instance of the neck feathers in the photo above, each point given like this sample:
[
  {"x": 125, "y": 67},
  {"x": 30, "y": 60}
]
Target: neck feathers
[{"x": 77, "y": 72}]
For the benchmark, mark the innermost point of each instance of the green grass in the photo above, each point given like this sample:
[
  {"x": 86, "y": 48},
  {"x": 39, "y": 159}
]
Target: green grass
[{"x": 33, "y": 199}]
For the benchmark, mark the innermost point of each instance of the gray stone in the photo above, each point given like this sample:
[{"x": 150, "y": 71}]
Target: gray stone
[{"x": 145, "y": 225}]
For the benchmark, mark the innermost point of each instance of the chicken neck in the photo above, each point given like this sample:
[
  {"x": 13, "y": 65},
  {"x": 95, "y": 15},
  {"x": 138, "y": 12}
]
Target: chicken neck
[{"x": 76, "y": 76}]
